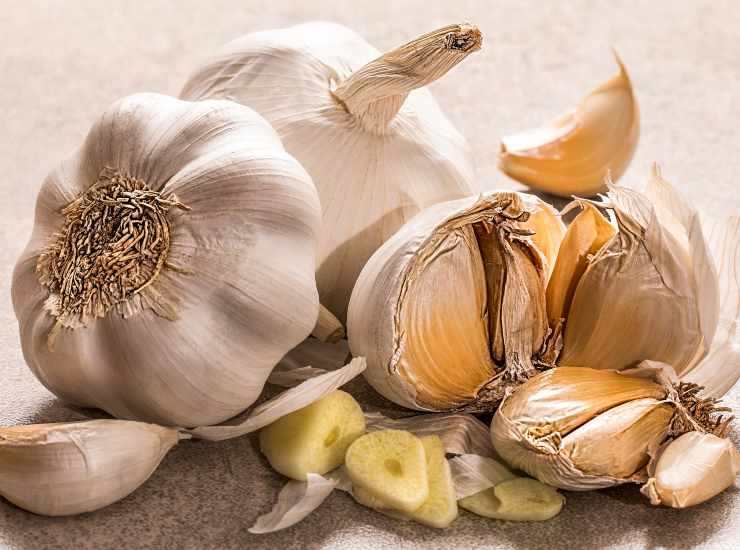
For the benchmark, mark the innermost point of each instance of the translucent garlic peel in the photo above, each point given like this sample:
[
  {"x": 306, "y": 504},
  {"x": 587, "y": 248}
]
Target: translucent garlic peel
[
  {"x": 66, "y": 469},
  {"x": 575, "y": 153},
  {"x": 431, "y": 314},
  {"x": 372, "y": 137},
  {"x": 196, "y": 345}
]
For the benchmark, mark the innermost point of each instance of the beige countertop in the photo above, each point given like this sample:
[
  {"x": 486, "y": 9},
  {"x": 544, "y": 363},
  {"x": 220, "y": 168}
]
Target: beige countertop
[{"x": 62, "y": 63}]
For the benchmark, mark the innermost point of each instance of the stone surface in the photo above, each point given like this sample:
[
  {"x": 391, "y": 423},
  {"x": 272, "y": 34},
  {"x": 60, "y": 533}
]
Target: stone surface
[{"x": 63, "y": 63}]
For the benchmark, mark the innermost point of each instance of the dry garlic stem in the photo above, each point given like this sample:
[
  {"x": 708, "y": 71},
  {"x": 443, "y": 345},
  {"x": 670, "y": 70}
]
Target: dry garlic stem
[
  {"x": 65, "y": 469},
  {"x": 574, "y": 154}
]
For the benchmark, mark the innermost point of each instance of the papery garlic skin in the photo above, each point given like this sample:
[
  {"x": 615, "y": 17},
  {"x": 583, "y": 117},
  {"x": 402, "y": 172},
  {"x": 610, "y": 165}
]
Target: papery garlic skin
[
  {"x": 373, "y": 139},
  {"x": 419, "y": 310},
  {"x": 66, "y": 469},
  {"x": 574, "y": 154},
  {"x": 236, "y": 291}
]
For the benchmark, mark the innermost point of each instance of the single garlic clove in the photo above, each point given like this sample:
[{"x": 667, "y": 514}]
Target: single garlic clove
[
  {"x": 692, "y": 469},
  {"x": 71, "y": 468},
  {"x": 518, "y": 499},
  {"x": 440, "y": 508},
  {"x": 391, "y": 466},
  {"x": 575, "y": 153},
  {"x": 315, "y": 438}
]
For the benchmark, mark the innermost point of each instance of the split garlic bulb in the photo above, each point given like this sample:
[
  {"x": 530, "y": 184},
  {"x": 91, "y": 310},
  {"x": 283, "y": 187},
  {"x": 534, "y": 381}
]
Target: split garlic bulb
[
  {"x": 171, "y": 264},
  {"x": 376, "y": 144},
  {"x": 71, "y": 468},
  {"x": 451, "y": 310}
]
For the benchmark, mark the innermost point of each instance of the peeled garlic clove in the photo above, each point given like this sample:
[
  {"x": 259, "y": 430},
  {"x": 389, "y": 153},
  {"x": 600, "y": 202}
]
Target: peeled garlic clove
[
  {"x": 391, "y": 466},
  {"x": 440, "y": 508},
  {"x": 65, "y": 469},
  {"x": 692, "y": 469},
  {"x": 518, "y": 499},
  {"x": 313, "y": 439},
  {"x": 451, "y": 309},
  {"x": 575, "y": 153}
]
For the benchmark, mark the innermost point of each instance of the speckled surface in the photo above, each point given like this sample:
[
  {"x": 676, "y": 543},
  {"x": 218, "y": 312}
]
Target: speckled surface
[{"x": 61, "y": 63}]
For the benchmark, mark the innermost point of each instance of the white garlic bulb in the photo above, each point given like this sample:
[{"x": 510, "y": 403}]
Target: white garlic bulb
[
  {"x": 376, "y": 144},
  {"x": 71, "y": 468},
  {"x": 171, "y": 264},
  {"x": 451, "y": 309}
]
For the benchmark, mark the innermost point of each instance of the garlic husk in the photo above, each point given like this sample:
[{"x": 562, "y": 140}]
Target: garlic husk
[
  {"x": 451, "y": 309},
  {"x": 65, "y": 469},
  {"x": 576, "y": 152},
  {"x": 650, "y": 292},
  {"x": 362, "y": 123},
  {"x": 236, "y": 291},
  {"x": 692, "y": 469}
]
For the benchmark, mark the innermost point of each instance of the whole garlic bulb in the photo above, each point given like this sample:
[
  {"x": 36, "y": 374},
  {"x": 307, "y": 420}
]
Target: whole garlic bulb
[
  {"x": 451, "y": 310},
  {"x": 374, "y": 140},
  {"x": 171, "y": 264}
]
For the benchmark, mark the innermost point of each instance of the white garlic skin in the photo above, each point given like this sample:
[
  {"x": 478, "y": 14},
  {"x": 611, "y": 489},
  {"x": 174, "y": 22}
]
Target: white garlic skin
[
  {"x": 369, "y": 183},
  {"x": 247, "y": 245},
  {"x": 66, "y": 469}
]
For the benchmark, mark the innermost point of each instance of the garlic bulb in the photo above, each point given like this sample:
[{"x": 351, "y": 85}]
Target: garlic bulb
[
  {"x": 639, "y": 286},
  {"x": 691, "y": 469},
  {"x": 579, "y": 428},
  {"x": 376, "y": 144},
  {"x": 576, "y": 152},
  {"x": 451, "y": 310},
  {"x": 171, "y": 264},
  {"x": 64, "y": 469}
]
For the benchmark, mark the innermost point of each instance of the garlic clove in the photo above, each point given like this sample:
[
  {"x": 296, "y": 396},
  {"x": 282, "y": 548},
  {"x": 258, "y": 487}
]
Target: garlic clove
[
  {"x": 586, "y": 235},
  {"x": 692, "y": 469},
  {"x": 518, "y": 499},
  {"x": 574, "y": 154},
  {"x": 391, "y": 466},
  {"x": 65, "y": 469},
  {"x": 313, "y": 439},
  {"x": 549, "y": 229},
  {"x": 440, "y": 508}
]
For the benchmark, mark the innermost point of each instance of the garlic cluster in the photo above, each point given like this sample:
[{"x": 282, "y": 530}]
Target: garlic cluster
[
  {"x": 171, "y": 264},
  {"x": 373, "y": 139},
  {"x": 574, "y": 154},
  {"x": 451, "y": 310}
]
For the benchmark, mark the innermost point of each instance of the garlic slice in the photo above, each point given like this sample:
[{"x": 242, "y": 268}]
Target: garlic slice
[
  {"x": 473, "y": 473},
  {"x": 692, "y": 469},
  {"x": 574, "y": 154},
  {"x": 71, "y": 468}
]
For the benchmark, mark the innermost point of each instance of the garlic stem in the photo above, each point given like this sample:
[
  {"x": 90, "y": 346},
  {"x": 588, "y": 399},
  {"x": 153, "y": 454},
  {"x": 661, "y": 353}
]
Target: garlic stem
[{"x": 376, "y": 92}]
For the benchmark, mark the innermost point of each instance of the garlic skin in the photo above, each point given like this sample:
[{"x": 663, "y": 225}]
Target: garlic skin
[
  {"x": 451, "y": 309},
  {"x": 66, "y": 469},
  {"x": 235, "y": 292},
  {"x": 692, "y": 469},
  {"x": 574, "y": 154},
  {"x": 374, "y": 140}
]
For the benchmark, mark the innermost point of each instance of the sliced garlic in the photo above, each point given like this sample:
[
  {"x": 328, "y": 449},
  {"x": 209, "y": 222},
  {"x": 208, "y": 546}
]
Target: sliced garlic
[
  {"x": 313, "y": 439},
  {"x": 692, "y": 469},
  {"x": 440, "y": 508},
  {"x": 65, "y": 469},
  {"x": 575, "y": 153},
  {"x": 390, "y": 465},
  {"x": 518, "y": 499}
]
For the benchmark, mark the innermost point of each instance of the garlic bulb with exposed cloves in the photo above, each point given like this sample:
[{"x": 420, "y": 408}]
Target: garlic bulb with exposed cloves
[
  {"x": 171, "y": 264},
  {"x": 575, "y": 153},
  {"x": 376, "y": 144},
  {"x": 450, "y": 311}
]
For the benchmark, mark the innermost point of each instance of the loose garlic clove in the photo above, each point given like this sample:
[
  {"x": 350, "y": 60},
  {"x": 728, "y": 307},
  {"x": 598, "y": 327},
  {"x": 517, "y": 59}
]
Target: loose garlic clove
[
  {"x": 313, "y": 439},
  {"x": 518, "y": 499},
  {"x": 451, "y": 310},
  {"x": 575, "y": 153},
  {"x": 390, "y": 465},
  {"x": 65, "y": 469},
  {"x": 692, "y": 469}
]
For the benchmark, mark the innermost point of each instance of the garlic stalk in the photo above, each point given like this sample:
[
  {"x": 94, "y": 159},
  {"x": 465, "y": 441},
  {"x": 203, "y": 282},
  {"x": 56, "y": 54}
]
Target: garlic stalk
[
  {"x": 171, "y": 265},
  {"x": 576, "y": 152},
  {"x": 376, "y": 144},
  {"x": 451, "y": 310},
  {"x": 65, "y": 469}
]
